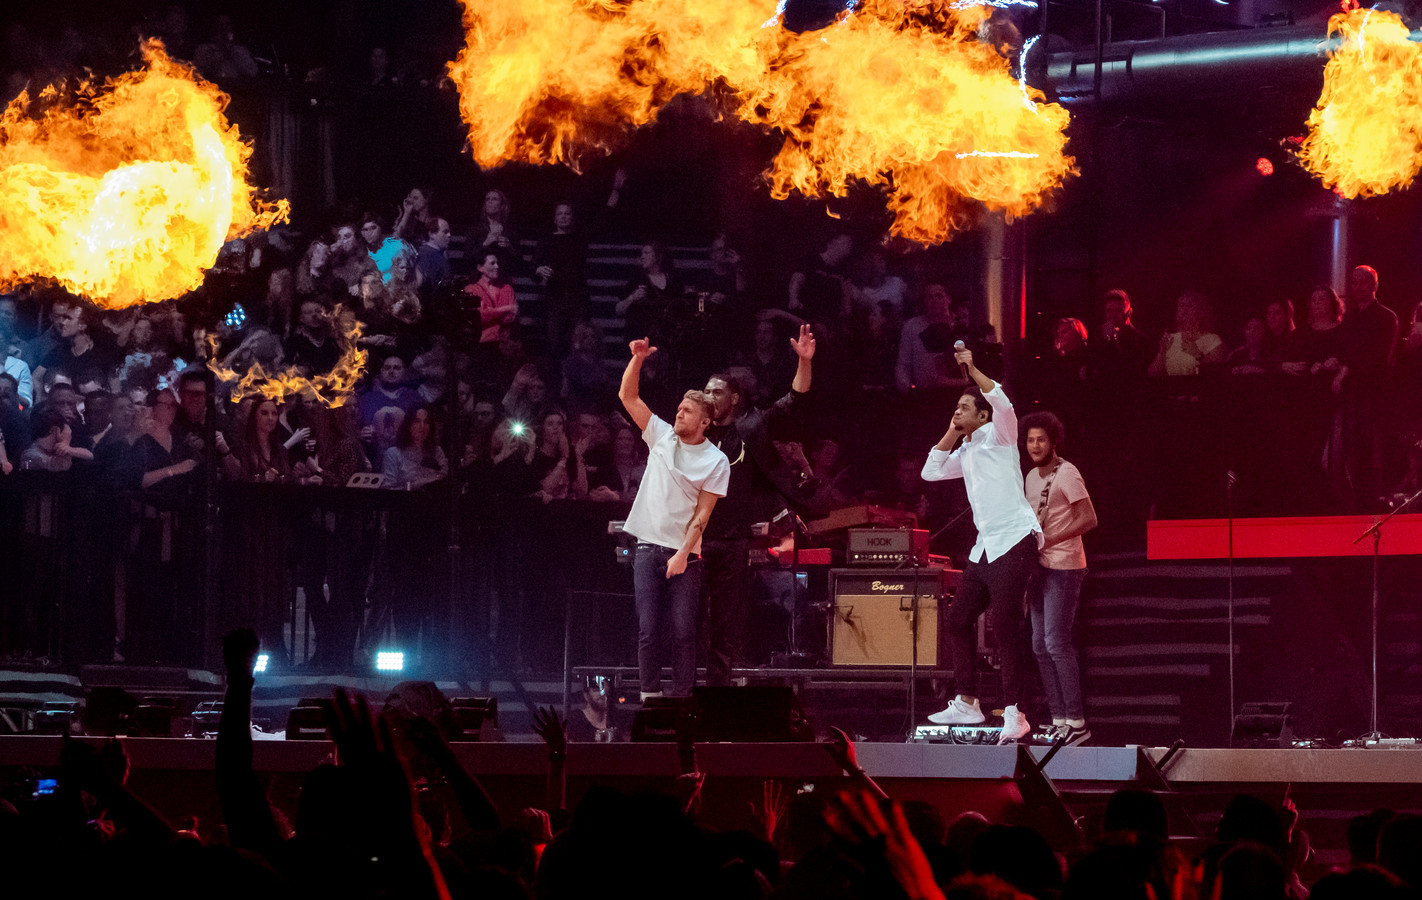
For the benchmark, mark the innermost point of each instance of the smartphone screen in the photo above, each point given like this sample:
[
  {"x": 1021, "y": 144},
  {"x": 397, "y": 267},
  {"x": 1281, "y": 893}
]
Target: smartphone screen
[{"x": 45, "y": 787}]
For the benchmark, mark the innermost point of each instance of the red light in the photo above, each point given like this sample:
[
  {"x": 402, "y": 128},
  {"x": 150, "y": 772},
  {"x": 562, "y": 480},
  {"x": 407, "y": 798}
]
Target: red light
[{"x": 1265, "y": 167}]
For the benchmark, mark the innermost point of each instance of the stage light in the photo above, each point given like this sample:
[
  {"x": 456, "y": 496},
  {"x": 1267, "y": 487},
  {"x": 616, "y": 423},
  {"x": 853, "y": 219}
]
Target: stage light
[
  {"x": 261, "y": 664},
  {"x": 389, "y": 661},
  {"x": 1265, "y": 167}
]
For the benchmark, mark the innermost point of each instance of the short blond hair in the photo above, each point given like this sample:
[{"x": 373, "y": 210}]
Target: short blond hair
[{"x": 707, "y": 408}]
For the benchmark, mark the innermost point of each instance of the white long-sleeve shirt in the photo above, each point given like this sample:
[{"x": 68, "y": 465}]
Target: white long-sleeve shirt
[{"x": 991, "y": 471}]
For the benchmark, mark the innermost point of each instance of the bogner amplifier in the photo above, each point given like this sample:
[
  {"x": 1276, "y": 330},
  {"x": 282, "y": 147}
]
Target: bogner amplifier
[
  {"x": 873, "y": 619},
  {"x": 887, "y": 546}
]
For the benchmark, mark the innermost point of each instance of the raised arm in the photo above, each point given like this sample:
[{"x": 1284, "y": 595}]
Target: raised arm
[
  {"x": 804, "y": 347},
  {"x": 630, "y": 391},
  {"x": 244, "y": 804},
  {"x": 1004, "y": 417}
]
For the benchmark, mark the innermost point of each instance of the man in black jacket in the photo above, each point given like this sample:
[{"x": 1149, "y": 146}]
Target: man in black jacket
[{"x": 758, "y": 475}]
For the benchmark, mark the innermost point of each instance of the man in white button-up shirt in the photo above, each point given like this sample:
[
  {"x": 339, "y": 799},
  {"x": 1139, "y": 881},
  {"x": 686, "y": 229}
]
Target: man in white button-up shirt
[{"x": 1005, "y": 554}]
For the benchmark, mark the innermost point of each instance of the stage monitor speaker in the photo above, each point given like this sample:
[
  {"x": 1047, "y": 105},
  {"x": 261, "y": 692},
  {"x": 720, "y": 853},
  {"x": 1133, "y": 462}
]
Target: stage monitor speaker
[
  {"x": 873, "y": 618},
  {"x": 753, "y": 714}
]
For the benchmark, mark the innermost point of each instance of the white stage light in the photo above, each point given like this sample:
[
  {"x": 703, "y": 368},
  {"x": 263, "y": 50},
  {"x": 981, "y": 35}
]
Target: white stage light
[{"x": 389, "y": 661}]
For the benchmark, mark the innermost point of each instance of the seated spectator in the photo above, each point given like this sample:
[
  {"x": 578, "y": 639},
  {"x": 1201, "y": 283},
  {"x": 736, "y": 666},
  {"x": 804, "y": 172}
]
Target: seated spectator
[
  {"x": 926, "y": 346},
  {"x": 527, "y": 399},
  {"x": 349, "y": 260},
  {"x": 817, "y": 291},
  {"x": 388, "y": 394},
  {"x": 416, "y": 459},
  {"x": 1193, "y": 346},
  {"x": 646, "y": 300},
  {"x": 277, "y": 307},
  {"x": 872, "y": 285},
  {"x": 432, "y": 259},
  {"x": 315, "y": 274},
  {"x": 415, "y": 221},
  {"x": 381, "y": 246},
  {"x": 1255, "y": 355},
  {"x": 586, "y": 381},
  {"x": 50, "y": 448},
  {"x": 558, "y": 463},
  {"x": 222, "y": 59},
  {"x": 628, "y": 465},
  {"x": 769, "y": 362},
  {"x": 312, "y": 348}
]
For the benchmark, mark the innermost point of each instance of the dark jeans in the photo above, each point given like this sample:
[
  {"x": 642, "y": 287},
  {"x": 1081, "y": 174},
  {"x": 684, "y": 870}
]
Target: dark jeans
[
  {"x": 666, "y": 618},
  {"x": 1053, "y": 602},
  {"x": 723, "y": 619},
  {"x": 999, "y": 587}
]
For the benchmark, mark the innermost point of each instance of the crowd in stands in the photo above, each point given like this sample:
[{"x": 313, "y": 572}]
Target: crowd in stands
[
  {"x": 463, "y": 386},
  {"x": 396, "y": 813}
]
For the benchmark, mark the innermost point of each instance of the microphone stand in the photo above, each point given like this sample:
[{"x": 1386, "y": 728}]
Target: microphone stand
[
  {"x": 913, "y": 618},
  {"x": 1376, "y": 531},
  {"x": 1229, "y": 520}
]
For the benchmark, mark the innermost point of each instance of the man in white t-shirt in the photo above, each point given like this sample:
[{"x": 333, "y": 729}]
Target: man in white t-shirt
[
  {"x": 685, "y": 475},
  {"x": 1005, "y": 554},
  {"x": 1058, "y": 494}
]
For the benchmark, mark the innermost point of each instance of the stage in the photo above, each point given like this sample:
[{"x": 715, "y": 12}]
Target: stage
[{"x": 1329, "y": 786}]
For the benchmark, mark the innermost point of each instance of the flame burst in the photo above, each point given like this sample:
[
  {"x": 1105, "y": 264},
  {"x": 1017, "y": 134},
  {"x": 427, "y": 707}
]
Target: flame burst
[
  {"x": 126, "y": 194},
  {"x": 333, "y": 388},
  {"x": 1365, "y": 135},
  {"x": 897, "y": 93}
]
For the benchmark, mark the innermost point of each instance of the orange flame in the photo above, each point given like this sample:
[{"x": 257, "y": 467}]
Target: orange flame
[
  {"x": 126, "y": 194},
  {"x": 333, "y": 388},
  {"x": 898, "y": 93},
  {"x": 1365, "y": 135}
]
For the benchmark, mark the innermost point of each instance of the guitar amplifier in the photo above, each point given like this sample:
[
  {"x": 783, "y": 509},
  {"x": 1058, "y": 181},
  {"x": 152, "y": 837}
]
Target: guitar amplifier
[
  {"x": 887, "y": 546},
  {"x": 873, "y": 616}
]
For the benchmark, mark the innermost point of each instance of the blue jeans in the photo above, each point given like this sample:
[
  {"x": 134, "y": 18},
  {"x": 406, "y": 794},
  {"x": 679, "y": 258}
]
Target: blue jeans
[
  {"x": 1052, "y": 603},
  {"x": 666, "y": 618}
]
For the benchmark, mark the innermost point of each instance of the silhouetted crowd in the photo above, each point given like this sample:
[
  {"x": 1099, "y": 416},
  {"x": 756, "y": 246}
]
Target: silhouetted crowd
[{"x": 395, "y": 813}]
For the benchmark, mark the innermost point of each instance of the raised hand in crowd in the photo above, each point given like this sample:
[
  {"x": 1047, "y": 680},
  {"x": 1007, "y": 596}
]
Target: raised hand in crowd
[
  {"x": 877, "y": 837},
  {"x": 365, "y": 744},
  {"x": 774, "y": 801},
  {"x": 841, "y": 750},
  {"x": 553, "y": 730}
]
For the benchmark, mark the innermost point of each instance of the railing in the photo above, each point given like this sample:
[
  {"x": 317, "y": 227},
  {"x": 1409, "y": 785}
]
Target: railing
[{"x": 480, "y": 579}]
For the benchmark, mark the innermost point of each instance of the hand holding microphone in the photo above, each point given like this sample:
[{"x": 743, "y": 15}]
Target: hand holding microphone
[{"x": 963, "y": 355}]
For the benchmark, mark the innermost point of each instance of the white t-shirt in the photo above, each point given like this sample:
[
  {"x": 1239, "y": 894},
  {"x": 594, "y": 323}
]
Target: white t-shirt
[
  {"x": 676, "y": 475},
  {"x": 1066, "y": 488},
  {"x": 1178, "y": 362}
]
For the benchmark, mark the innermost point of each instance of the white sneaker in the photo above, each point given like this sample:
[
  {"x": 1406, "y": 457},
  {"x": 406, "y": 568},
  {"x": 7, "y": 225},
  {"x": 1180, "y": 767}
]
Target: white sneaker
[
  {"x": 958, "y": 712},
  {"x": 1014, "y": 726}
]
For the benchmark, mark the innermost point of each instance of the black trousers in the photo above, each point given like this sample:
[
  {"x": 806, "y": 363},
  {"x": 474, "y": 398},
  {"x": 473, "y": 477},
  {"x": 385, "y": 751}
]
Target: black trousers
[
  {"x": 1000, "y": 588},
  {"x": 724, "y": 603}
]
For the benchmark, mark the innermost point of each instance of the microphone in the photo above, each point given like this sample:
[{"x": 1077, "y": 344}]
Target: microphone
[{"x": 959, "y": 345}]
